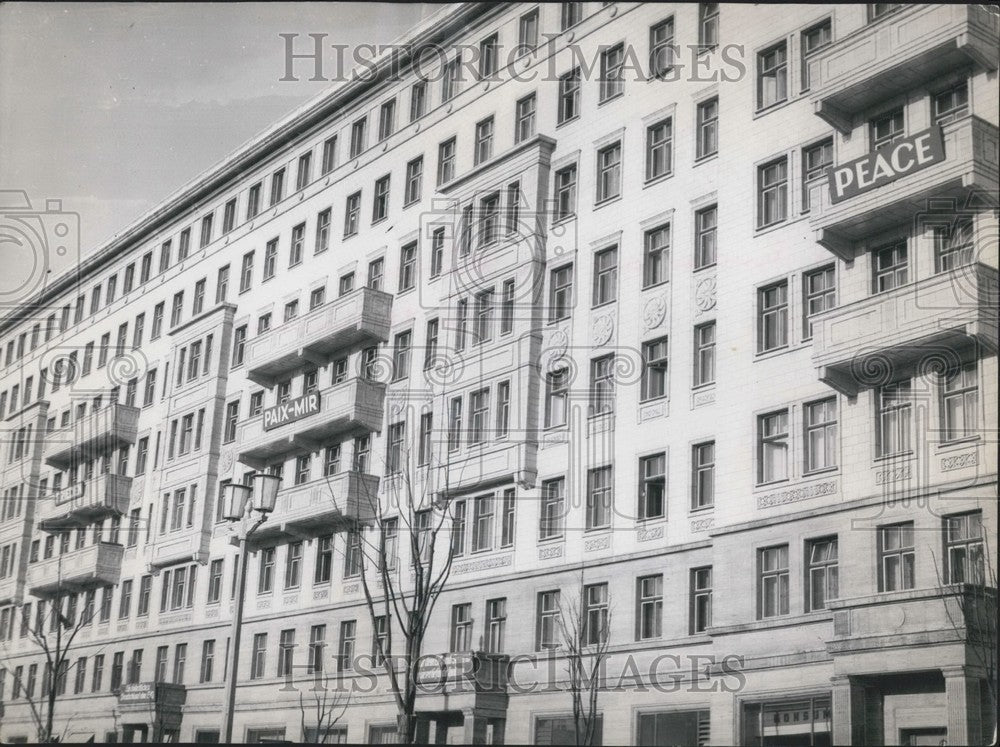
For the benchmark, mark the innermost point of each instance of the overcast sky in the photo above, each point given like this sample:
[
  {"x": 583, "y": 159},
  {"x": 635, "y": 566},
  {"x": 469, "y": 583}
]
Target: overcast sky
[{"x": 112, "y": 107}]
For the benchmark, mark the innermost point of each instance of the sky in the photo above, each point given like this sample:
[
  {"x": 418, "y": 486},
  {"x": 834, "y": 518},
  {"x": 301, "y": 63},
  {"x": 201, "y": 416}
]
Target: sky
[{"x": 111, "y": 107}]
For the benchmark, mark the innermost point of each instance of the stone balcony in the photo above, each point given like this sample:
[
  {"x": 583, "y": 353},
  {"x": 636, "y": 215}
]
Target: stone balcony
[
  {"x": 305, "y": 423},
  {"x": 464, "y": 671},
  {"x": 78, "y": 570},
  {"x": 99, "y": 432},
  {"x": 489, "y": 464},
  {"x": 84, "y": 503},
  {"x": 899, "y": 53},
  {"x": 323, "y": 506},
  {"x": 359, "y": 317},
  {"x": 969, "y": 170},
  {"x": 952, "y": 315}
]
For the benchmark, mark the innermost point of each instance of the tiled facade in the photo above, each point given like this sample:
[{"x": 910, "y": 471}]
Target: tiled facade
[{"x": 765, "y": 419}]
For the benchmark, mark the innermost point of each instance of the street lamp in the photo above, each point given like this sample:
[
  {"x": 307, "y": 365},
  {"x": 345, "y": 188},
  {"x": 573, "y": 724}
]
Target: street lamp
[{"x": 237, "y": 498}]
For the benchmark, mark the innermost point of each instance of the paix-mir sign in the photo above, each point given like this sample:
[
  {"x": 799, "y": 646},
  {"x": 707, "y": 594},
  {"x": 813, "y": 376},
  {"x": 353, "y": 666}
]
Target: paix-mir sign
[
  {"x": 292, "y": 410},
  {"x": 885, "y": 165}
]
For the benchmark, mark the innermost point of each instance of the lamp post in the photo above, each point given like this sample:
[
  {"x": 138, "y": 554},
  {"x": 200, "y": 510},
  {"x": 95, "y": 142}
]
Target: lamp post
[{"x": 260, "y": 498}]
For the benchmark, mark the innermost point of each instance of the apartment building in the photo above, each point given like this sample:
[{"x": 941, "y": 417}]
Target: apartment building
[{"x": 748, "y": 433}]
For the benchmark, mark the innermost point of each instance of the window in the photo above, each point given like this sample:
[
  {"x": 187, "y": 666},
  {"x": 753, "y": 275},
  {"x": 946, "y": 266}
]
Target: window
[
  {"x": 772, "y": 581},
  {"x": 414, "y": 178},
  {"x": 418, "y": 100},
  {"x": 772, "y": 447},
  {"x": 389, "y": 543},
  {"x": 376, "y": 269},
  {"x": 609, "y": 172},
  {"x": 602, "y": 388},
  {"x": 358, "y": 131},
  {"x": 708, "y": 128},
  {"x": 386, "y": 119},
  {"x": 821, "y": 435},
  {"x": 896, "y": 557},
  {"x": 524, "y": 126},
  {"x": 565, "y": 193},
  {"x": 960, "y": 403},
  {"x": 207, "y": 661},
  {"x": 446, "y": 161},
  {"x": 547, "y": 632},
  {"x": 886, "y": 128},
  {"x": 380, "y": 639},
  {"x": 407, "y": 267},
  {"x": 527, "y": 32},
  {"x": 206, "y": 235},
  {"x": 160, "y": 667},
  {"x": 484, "y": 141},
  {"x": 450, "y": 79},
  {"x": 286, "y": 651},
  {"x": 703, "y": 475},
  {"x": 953, "y": 244},
  {"x": 265, "y": 578},
  {"x": 606, "y": 276},
  {"x": 595, "y": 614},
  {"x": 253, "y": 201},
  {"x": 556, "y": 397},
  {"x": 701, "y": 599},
  {"x": 814, "y": 39},
  {"x": 165, "y": 249},
  {"x": 317, "y": 643},
  {"x": 772, "y": 76},
  {"x": 571, "y": 14},
  {"x": 239, "y": 345},
  {"x": 652, "y": 486},
  {"x": 553, "y": 508},
  {"x": 298, "y": 241},
  {"x": 821, "y": 574},
  {"x": 503, "y": 409},
  {"x": 380, "y": 205},
  {"x": 401, "y": 356},
  {"x": 963, "y": 536},
  {"x": 894, "y": 418},
  {"x": 654, "y": 372},
  {"x": 352, "y": 214},
  {"x": 649, "y": 607},
  {"x": 246, "y": 272},
  {"x": 496, "y": 624},
  {"x": 612, "y": 73},
  {"x": 708, "y": 26},
  {"x": 704, "y": 354},
  {"x": 772, "y": 193},
  {"x": 951, "y": 104},
  {"x": 600, "y": 496},
  {"x": 317, "y": 297},
  {"x": 461, "y": 627},
  {"x": 270, "y": 258},
  {"x": 820, "y": 294},
  {"x": 394, "y": 451},
  {"x": 229, "y": 216},
  {"x": 772, "y": 332},
  {"x": 197, "y": 307},
  {"x": 329, "y": 154},
  {"x": 180, "y": 659},
  {"x": 483, "y": 317},
  {"x": 482, "y": 523},
  {"x": 479, "y": 405},
  {"x": 569, "y": 96},
  {"x": 706, "y": 221},
  {"x": 488, "y": 54},
  {"x": 437, "y": 253},
  {"x": 345, "y": 650},
  {"x": 258, "y": 656},
  {"x": 890, "y": 266},
  {"x": 277, "y": 186},
  {"x": 659, "y": 149}
]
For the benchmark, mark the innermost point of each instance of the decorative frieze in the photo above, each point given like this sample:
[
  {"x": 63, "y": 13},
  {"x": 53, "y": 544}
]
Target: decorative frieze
[
  {"x": 597, "y": 543},
  {"x": 642, "y": 534},
  {"x": 482, "y": 564},
  {"x": 703, "y": 525},
  {"x": 794, "y": 495},
  {"x": 959, "y": 461},
  {"x": 550, "y": 551},
  {"x": 892, "y": 474}
]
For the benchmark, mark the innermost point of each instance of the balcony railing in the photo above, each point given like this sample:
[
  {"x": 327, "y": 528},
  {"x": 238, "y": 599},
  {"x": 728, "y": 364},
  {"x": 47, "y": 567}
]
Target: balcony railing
[
  {"x": 323, "y": 506},
  {"x": 361, "y": 316},
  {"x": 969, "y": 168},
  {"x": 865, "y": 343},
  {"x": 98, "y": 433},
  {"x": 78, "y": 570},
  {"x": 898, "y": 54},
  {"x": 305, "y": 423},
  {"x": 84, "y": 503}
]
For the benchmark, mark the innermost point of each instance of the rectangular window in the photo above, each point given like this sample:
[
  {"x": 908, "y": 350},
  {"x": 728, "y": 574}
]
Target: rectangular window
[
  {"x": 612, "y": 82},
  {"x": 329, "y": 154},
  {"x": 246, "y": 272},
  {"x": 286, "y": 651},
  {"x": 649, "y": 607},
  {"x": 701, "y": 599},
  {"x": 265, "y": 577},
  {"x": 772, "y": 76},
  {"x": 772, "y": 317},
  {"x": 450, "y": 79},
  {"x": 606, "y": 276},
  {"x": 706, "y": 222},
  {"x": 229, "y": 216},
  {"x": 258, "y": 656},
  {"x": 352, "y": 214},
  {"x": 206, "y": 233},
  {"x": 895, "y": 414},
  {"x": 418, "y": 100},
  {"x": 820, "y": 294},
  {"x": 358, "y": 132},
  {"x": 527, "y": 32},
  {"x": 772, "y": 193},
  {"x": 609, "y": 172},
  {"x": 394, "y": 451},
  {"x": 661, "y": 48},
  {"x": 951, "y": 104},
  {"x": 896, "y": 557},
  {"x": 298, "y": 241},
  {"x": 600, "y": 496},
  {"x": 380, "y": 205},
  {"x": 569, "y": 96},
  {"x": 446, "y": 161},
  {"x": 890, "y": 267},
  {"x": 414, "y": 179},
  {"x": 886, "y": 129},
  {"x": 482, "y": 523},
  {"x": 479, "y": 405},
  {"x": 386, "y": 120},
  {"x": 964, "y": 560},
  {"x": 708, "y": 26},
  {"x": 703, "y": 475},
  {"x": 953, "y": 244},
  {"x": 821, "y": 435},
  {"x": 277, "y": 186},
  {"x": 565, "y": 193},
  {"x": 595, "y": 614},
  {"x": 270, "y": 258},
  {"x": 817, "y": 159},
  {"x": 659, "y": 149},
  {"x": 654, "y": 372},
  {"x": 556, "y": 397},
  {"x": 652, "y": 486},
  {"x": 821, "y": 573},
  {"x": 207, "y": 661},
  {"x": 461, "y": 627},
  {"x": 772, "y": 581},
  {"x": 253, "y": 201},
  {"x": 547, "y": 629},
  {"x": 960, "y": 402},
  {"x": 704, "y": 354},
  {"x": 602, "y": 387},
  {"x": 345, "y": 650},
  {"x": 484, "y": 141},
  {"x": 408, "y": 267},
  {"x": 496, "y": 624},
  {"x": 488, "y": 55},
  {"x": 772, "y": 447},
  {"x": 503, "y": 409},
  {"x": 708, "y": 128},
  {"x": 553, "y": 508},
  {"x": 814, "y": 39}
]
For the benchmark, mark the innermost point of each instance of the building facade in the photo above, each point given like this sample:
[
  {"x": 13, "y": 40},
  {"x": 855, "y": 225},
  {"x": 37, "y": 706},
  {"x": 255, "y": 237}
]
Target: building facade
[{"x": 761, "y": 462}]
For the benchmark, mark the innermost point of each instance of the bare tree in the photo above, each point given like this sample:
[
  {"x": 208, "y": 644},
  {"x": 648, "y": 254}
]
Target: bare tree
[
  {"x": 326, "y": 709},
  {"x": 53, "y": 632},
  {"x": 585, "y": 637},
  {"x": 401, "y": 595}
]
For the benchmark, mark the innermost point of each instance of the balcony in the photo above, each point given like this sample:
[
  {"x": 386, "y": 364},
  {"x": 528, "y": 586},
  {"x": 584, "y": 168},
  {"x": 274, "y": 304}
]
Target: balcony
[
  {"x": 899, "y": 54},
  {"x": 969, "y": 169},
  {"x": 491, "y": 464},
  {"x": 85, "y": 502},
  {"x": 857, "y": 345},
  {"x": 303, "y": 424},
  {"x": 466, "y": 671},
  {"x": 100, "y": 432},
  {"x": 361, "y": 316},
  {"x": 320, "y": 507},
  {"x": 78, "y": 570}
]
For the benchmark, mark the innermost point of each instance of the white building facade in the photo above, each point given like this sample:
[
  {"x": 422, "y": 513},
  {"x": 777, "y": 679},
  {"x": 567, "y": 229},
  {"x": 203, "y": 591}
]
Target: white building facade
[{"x": 752, "y": 427}]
